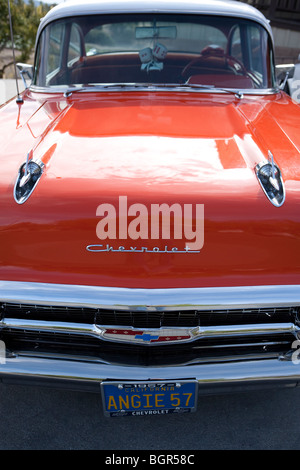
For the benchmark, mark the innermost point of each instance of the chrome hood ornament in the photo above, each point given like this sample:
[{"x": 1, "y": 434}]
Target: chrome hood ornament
[
  {"x": 27, "y": 179},
  {"x": 269, "y": 177}
]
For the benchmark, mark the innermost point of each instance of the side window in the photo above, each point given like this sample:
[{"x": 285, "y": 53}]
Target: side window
[
  {"x": 236, "y": 44},
  {"x": 55, "y": 47},
  {"x": 255, "y": 48},
  {"x": 37, "y": 79},
  {"x": 74, "y": 51}
]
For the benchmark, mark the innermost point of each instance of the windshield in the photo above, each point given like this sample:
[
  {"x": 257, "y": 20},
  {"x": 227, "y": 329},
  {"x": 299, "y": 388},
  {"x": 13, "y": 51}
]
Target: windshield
[{"x": 154, "y": 49}]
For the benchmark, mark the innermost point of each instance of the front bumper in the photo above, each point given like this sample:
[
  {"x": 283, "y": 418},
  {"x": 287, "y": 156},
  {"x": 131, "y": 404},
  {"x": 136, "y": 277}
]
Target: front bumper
[
  {"x": 84, "y": 375},
  {"x": 214, "y": 373}
]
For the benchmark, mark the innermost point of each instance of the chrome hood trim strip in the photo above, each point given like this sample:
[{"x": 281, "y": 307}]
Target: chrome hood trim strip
[{"x": 121, "y": 298}]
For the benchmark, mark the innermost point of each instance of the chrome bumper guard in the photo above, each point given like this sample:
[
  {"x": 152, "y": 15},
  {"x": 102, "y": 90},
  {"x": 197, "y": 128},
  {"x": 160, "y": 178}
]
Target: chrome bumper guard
[{"x": 84, "y": 373}]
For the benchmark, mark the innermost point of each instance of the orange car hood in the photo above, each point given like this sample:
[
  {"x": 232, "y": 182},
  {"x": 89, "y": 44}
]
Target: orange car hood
[{"x": 151, "y": 148}]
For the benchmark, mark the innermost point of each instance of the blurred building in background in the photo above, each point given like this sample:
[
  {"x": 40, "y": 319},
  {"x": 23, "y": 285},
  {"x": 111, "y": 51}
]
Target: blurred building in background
[{"x": 284, "y": 16}]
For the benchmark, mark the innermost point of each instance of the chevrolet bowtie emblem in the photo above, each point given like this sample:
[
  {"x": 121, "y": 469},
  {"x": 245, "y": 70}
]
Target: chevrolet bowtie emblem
[
  {"x": 153, "y": 336},
  {"x": 146, "y": 337}
]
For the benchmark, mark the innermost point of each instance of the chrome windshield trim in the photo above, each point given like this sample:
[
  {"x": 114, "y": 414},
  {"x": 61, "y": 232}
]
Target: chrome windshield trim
[
  {"x": 122, "y": 298},
  {"x": 132, "y": 87}
]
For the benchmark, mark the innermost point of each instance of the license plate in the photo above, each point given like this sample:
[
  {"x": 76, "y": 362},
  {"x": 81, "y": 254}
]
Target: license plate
[{"x": 148, "y": 398}]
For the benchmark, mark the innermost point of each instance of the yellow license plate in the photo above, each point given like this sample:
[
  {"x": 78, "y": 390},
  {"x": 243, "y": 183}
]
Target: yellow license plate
[{"x": 148, "y": 398}]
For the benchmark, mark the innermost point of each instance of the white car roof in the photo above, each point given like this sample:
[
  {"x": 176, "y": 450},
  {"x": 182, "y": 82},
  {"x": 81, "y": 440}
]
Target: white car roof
[{"x": 212, "y": 7}]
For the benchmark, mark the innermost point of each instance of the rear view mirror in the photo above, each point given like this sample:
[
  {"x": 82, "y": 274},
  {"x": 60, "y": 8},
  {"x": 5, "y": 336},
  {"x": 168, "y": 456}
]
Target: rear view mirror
[
  {"x": 283, "y": 73},
  {"x": 155, "y": 32},
  {"x": 26, "y": 71}
]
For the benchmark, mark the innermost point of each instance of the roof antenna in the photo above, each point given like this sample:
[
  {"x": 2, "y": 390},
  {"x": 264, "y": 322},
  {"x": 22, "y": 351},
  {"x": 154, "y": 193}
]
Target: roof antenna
[{"x": 19, "y": 99}]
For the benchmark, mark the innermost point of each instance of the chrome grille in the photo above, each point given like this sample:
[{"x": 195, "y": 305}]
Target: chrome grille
[
  {"x": 203, "y": 350},
  {"x": 150, "y": 319},
  {"x": 251, "y": 333}
]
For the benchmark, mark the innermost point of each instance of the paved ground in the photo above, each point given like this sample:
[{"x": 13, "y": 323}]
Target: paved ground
[{"x": 40, "y": 418}]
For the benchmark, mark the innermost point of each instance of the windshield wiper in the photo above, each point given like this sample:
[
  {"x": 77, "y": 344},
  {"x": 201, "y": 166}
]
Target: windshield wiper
[
  {"x": 102, "y": 86},
  {"x": 237, "y": 93},
  {"x": 126, "y": 85},
  {"x": 72, "y": 89}
]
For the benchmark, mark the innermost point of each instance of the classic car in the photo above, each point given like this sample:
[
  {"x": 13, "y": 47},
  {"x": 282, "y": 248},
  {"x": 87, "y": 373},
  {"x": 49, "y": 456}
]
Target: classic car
[{"x": 150, "y": 190}]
